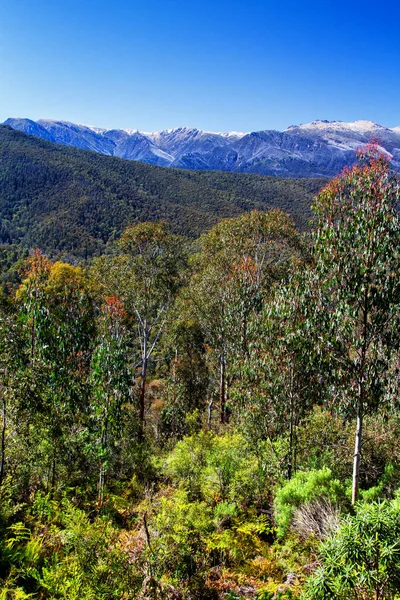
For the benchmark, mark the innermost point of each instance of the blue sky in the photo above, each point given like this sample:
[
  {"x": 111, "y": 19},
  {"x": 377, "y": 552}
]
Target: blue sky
[{"x": 214, "y": 64}]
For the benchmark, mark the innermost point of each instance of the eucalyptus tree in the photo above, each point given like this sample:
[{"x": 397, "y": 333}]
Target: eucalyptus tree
[
  {"x": 56, "y": 313},
  {"x": 146, "y": 274},
  {"x": 357, "y": 271},
  {"x": 110, "y": 379},
  {"x": 239, "y": 261},
  {"x": 31, "y": 298},
  {"x": 187, "y": 380},
  {"x": 278, "y": 380}
]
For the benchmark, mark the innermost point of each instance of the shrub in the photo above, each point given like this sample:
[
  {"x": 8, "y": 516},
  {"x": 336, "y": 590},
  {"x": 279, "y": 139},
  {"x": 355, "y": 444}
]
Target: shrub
[
  {"x": 362, "y": 558},
  {"x": 66, "y": 555},
  {"x": 221, "y": 468},
  {"x": 187, "y": 461},
  {"x": 304, "y": 488},
  {"x": 318, "y": 518},
  {"x": 176, "y": 546}
]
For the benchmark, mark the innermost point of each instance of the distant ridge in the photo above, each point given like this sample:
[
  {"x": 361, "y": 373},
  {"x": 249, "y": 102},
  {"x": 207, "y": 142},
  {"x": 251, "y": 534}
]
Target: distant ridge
[
  {"x": 73, "y": 202},
  {"x": 317, "y": 149}
]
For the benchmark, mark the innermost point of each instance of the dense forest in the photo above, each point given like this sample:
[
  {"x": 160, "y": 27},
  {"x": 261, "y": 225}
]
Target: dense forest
[
  {"x": 72, "y": 203},
  {"x": 206, "y": 420}
]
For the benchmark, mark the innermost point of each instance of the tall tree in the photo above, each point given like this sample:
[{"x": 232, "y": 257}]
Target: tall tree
[
  {"x": 57, "y": 314},
  {"x": 277, "y": 380},
  {"x": 146, "y": 276},
  {"x": 187, "y": 379},
  {"x": 239, "y": 261},
  {"x": 357, "y": 267},
  {"x": 111, "y": 380}
]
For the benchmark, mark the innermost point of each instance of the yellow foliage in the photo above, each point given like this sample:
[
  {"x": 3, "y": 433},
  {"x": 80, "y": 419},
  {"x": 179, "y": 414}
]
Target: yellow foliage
[{"x": 63, "y": 275}]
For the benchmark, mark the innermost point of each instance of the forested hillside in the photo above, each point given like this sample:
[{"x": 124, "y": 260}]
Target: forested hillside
[
  {"x": 71, "y": 201},
  {"x": 218, "y": 425}
]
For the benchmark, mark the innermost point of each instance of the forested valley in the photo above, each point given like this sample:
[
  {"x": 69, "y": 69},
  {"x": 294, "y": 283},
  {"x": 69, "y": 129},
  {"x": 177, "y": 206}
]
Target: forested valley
[
  {"x": 73, "y": 202},
  {"x": 213, "y": 417}
]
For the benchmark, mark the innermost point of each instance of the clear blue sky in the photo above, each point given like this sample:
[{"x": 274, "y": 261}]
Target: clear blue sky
[{"x": 214, "y": 64}]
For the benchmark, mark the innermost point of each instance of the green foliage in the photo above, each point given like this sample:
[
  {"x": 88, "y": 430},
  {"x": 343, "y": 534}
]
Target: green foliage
[
  {"x": 188, "y": 374},
  {"x": 356, "y": 251},
  {"x": 326, "y": 440},
  {"x": 362, "y": 559},
  {"x": 220, "y": 468},
  {"x": 389, "y": 480},
  {"x": 278, "y": 381},
  {"x": 241, "y": 539},
  {"x": 181, "y": 527},
  {"x": 68, "y": 556},
  {"x": 303, "y": 488},
  {"x": 239, "y": 261},
  {"x": 111, "y": 379},
  {"x": 11, "y": 261},
  {"x": 357, "y": 240},
  {"x": 188, "y": 460}
]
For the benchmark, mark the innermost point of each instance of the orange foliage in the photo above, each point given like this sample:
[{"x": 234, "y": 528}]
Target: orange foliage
[{"x": 114, "y": 307}]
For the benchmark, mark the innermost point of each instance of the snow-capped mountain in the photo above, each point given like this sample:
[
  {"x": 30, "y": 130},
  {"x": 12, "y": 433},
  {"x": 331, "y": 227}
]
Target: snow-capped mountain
[{"x": 317, "y": 149}]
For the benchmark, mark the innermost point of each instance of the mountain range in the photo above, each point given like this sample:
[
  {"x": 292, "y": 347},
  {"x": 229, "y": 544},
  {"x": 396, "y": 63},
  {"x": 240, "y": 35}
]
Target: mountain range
[{"x": 317, "y": 149}]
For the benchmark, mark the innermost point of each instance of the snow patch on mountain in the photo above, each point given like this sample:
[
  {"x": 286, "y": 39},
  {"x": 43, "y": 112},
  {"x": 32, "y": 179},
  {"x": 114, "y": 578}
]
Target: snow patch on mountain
[{"x": 361, "y": 126}]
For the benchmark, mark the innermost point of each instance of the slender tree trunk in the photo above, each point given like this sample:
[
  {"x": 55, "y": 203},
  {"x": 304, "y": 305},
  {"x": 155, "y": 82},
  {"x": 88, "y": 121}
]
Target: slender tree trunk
[
  {"x": 142, "y": 390},
  {"x": 102, "y": 475},
  {"x": 360, "y": 401},
  {"x": 53, "y": 472},
  {"x": 357, "y": 447},
  {"x": 291, "y": 438},
  {"x": 222, "y": 388},
  {"x": 209, "y": 410},
  {"x": 174, "y": 395},
  {"x": 3, "y": 435},
  {"x": 143, "y": 382}
]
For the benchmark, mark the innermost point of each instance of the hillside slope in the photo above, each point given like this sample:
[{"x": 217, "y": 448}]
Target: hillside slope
[{"x": 63, "y": 199}]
